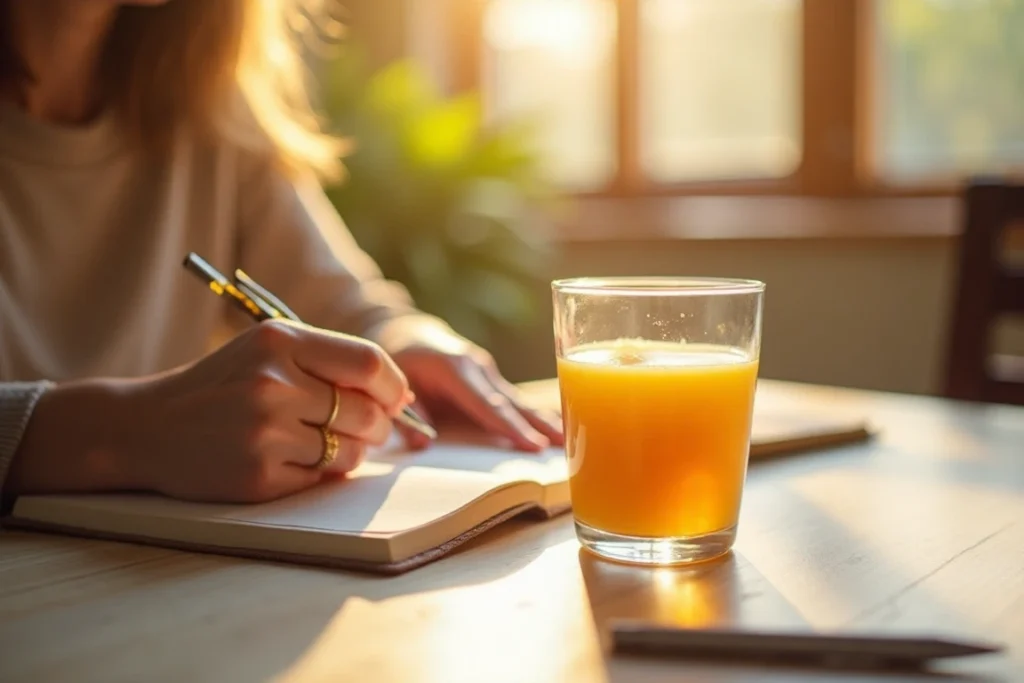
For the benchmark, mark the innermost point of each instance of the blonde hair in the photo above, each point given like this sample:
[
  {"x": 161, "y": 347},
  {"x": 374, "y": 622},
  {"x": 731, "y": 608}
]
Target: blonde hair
[
  {"x": 270, "y": 75},
  {"x": 230, "y": 68}
]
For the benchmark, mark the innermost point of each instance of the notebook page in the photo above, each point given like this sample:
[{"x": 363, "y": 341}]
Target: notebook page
[
  {"x": 476, "y": 452},
  {"x": 392, "y": 491}
]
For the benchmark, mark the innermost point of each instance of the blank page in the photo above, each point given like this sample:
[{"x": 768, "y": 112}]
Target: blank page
[{"x": 392, "y": 491}]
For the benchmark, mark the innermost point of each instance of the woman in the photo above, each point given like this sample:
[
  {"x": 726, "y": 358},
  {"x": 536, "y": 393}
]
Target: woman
[{"x": 132, "y": 133}]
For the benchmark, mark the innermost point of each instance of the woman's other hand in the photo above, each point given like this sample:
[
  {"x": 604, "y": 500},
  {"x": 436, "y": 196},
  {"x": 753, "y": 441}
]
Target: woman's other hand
[
  {"x": 451, "y": 375},
  {"x": 239, "y": 425}
]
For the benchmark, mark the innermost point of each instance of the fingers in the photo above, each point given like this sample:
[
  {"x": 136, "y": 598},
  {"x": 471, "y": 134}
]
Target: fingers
[
  {"x": 337, "y": 359},
  {"x": 358, "y": 415},
  {"x": 361, "y": 417},
  {"x": 308, "y": 446},
  {"x": 493, "y": 410},
  {"x": 289, "y": 462},
  {"x": 545, "y": 422},
  {"x": 355, "y": 364}
]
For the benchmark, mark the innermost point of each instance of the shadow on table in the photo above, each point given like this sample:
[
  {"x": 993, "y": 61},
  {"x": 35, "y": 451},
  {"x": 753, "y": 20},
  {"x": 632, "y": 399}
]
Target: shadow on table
[
  {"x": 289, "y": 610},
  {"x": 719, "y": 593},
  {"x": 703, "y": 595},
  {"x": 724, "y": 593}
]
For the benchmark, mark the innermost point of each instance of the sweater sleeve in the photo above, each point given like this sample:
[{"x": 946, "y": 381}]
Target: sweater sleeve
[
  {"x": 292, "y": 240},
  {"x": 17, "y": 401}
]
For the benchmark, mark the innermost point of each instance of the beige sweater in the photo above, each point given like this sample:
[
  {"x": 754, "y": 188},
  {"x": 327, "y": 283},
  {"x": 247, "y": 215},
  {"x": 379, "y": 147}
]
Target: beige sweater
[{"x": 92, "y": 238}]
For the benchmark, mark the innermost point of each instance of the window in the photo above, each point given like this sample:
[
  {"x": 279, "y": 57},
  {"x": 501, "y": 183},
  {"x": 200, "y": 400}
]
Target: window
[
  {"x": 812, "y": 97},
  {"x": 949, "y": 87},
  {"x": 719, "y": 89},
  {"x": 554, "y": 64}
]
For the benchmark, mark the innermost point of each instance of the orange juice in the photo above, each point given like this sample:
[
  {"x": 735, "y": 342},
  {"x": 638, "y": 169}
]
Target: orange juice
[{"x": 657, "y": 435}]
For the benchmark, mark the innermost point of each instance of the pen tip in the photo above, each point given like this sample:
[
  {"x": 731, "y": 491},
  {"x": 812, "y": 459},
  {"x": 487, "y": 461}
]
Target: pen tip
[{"x": 412, "y": 419}]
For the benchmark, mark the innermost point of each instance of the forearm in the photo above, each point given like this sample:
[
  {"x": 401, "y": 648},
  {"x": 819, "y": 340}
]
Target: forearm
[
  {"x": 78, "y": 438},
  {"x": 399, "y": 333}
]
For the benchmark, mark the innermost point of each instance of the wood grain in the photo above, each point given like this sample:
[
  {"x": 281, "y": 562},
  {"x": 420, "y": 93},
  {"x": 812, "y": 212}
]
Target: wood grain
[{"x": 919, "y": 530}]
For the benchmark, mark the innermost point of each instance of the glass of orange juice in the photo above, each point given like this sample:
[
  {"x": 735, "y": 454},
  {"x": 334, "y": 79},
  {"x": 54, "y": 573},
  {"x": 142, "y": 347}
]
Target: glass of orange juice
[{"x": 657, "y": 379}]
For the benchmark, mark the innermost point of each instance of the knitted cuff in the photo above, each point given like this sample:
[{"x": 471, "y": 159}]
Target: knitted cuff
[{"x": 17, "y": 401}]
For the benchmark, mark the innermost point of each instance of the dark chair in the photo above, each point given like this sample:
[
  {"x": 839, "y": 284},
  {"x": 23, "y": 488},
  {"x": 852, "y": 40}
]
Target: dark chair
[{"x": 987, "y": 288}]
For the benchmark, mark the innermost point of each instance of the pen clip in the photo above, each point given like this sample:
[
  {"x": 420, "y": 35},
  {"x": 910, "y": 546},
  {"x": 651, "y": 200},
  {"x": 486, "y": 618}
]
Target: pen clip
[
  {"x": 255, "y": 290},
  {"x": 267, "y": 310},
  {"x": 216, "y": 281}
]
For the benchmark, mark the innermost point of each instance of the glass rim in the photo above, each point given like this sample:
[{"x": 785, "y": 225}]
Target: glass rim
[{"x": 656, "y": 285}]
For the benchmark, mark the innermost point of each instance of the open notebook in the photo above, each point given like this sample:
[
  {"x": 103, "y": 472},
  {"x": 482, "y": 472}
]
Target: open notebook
[{"x": 397, "y": 511}]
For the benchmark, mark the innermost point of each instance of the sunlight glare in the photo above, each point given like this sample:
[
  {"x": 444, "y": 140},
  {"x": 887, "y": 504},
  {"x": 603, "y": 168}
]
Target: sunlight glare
[{"x": 570, "y": 29}]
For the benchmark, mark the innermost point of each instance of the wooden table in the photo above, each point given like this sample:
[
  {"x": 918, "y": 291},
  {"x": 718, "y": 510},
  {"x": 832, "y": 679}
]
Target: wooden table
[{"x": 922, "y": 529}]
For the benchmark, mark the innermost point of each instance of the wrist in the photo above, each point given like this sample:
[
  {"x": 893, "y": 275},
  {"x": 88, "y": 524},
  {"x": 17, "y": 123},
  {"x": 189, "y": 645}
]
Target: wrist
[
  {"x": 81, "y": 438},
  {"x": 418, "y": 331}
]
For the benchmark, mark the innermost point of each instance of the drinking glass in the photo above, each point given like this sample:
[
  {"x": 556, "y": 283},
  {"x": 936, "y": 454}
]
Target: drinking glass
[{"x": 657, "y": 379}]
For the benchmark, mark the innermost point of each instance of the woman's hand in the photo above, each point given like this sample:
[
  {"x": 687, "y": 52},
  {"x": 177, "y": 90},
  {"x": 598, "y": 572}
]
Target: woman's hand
[
  {"x": 239, "y": 425},
  {"x": 451, "y": 375}
]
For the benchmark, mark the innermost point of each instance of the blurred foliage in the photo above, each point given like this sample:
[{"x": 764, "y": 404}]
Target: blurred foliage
[
  {"x": 955, "y": 90},
  {"x": 445, "y": 204}
]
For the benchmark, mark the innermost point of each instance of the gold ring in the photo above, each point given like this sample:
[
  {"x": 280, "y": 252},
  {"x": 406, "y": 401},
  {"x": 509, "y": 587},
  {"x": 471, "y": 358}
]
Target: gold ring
[
  {"x": 335, "y": 405},
  {"x": 331, "y": 445}
]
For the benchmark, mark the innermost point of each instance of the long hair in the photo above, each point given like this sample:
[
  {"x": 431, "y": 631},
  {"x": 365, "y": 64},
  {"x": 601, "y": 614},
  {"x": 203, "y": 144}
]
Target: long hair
[{"x": 229, "y": 68}]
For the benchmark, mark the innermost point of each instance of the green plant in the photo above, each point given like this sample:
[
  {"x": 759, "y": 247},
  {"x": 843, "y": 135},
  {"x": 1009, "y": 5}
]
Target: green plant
[{"x": 445, "y": 204}]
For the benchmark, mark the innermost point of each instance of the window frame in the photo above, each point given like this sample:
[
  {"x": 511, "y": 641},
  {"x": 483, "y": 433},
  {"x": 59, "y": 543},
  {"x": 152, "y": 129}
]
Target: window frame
[{"x": 837, "y": 108}]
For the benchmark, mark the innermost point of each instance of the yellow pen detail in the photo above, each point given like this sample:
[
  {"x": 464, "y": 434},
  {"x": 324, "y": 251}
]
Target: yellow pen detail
[{"x": 246, "y": 301}]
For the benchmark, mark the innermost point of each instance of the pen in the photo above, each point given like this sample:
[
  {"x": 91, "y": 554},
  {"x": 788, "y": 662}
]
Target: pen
[
  {"x": 822, "y": 650},
  {"x": 254, "y": 306},
  {"x": 256, "y": 301}
]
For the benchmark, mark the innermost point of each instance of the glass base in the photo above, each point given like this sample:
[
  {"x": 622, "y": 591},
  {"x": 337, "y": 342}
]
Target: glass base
[{"x": 656, "y": 552}]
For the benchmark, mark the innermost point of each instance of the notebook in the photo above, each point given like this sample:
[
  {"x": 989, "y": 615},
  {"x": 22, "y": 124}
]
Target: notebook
[{"x": 397, "y": 511}]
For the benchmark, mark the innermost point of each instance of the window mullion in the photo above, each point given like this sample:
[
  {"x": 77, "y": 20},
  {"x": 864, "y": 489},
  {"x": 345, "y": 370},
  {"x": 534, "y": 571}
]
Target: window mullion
[
  {"x": 830, "y": 97},
  {"x": 628, "y": 177},
  {"x": 465, "y": 44}
]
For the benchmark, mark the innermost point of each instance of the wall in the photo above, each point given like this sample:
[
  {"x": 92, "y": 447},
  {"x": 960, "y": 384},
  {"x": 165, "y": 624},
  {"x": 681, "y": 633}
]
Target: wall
[{"x": 868, "y": 314}]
